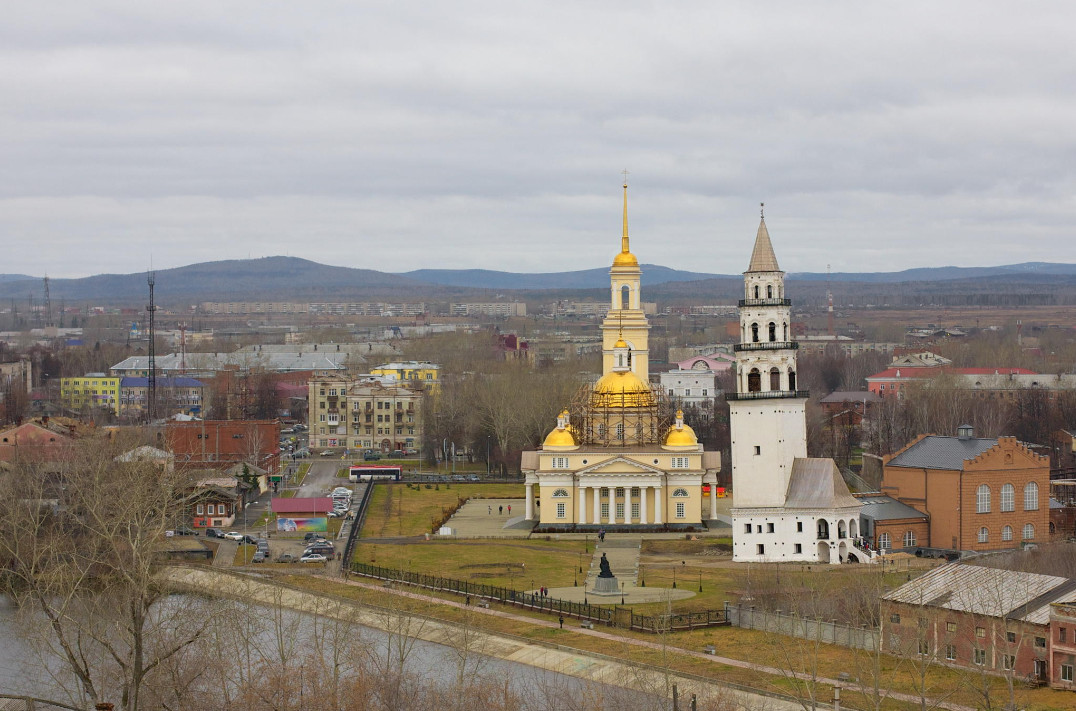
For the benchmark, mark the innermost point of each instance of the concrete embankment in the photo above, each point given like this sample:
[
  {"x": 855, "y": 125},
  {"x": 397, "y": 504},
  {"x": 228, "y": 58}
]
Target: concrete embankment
[{"x": 591, "y": 667}]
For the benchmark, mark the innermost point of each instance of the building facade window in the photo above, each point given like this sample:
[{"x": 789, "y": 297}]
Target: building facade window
[
  {"x": 982, "y": 499},
  {"x": 680, "y": 493},
  {"x": 560, "y": 494},
  {"x": 681, "y": 509},
  {"x": 909, "y": 539},
  {"x": 950, "y": 652},
  {"x": 1006, "y": 533},
  {"x": 605, "y": 510},
  {"x": 619, "y": 510},
  {"x": 635, "y": 510},
  {"x": 1066, "y": 672},
  {"x": 1008, "y": 497},
  {"x": 980, "y": 656},
  {"x": 1031, "y": 496},
  {"x": 984, "y": 535},
  {"x": 562, "y": 509},
  {"x": 1029, "y": 531},
  {"x": 883, "y": 541},
  {"x": 560, "y": 462},
  {"x": 679, "y": 462}
]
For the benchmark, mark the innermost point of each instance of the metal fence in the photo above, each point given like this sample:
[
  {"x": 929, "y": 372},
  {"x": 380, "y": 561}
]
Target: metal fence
[
  {"x": 356, "y": 525},
  {"x": 826, "y": 631},
  {"x": 618, "y": 616},
  {"x": 29, "y": 703}
]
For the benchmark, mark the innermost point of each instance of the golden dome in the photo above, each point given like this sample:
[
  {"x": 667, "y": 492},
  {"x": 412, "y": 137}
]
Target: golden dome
[
  {"x": 682, "y": 436},
  {"x": 621, "y": 389},
  {"x": 625, "y": 259},
  {"x": 560, "y": 437},
  {"x": 620, "y": 343}
]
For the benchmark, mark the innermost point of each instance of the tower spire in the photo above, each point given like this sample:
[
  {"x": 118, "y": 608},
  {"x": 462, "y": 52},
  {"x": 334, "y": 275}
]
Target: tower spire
[
  {"x": 762, "y": 257},
  {"x": 624, "y": 237}
]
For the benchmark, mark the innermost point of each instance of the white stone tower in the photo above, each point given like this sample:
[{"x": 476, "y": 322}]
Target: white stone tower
[
  {"x": 768, "y": 420},
  {"x": 786, "y": 507}
]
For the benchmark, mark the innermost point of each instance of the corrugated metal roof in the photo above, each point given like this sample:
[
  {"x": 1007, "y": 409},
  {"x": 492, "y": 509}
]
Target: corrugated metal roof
[
  {"x": 985, "y": 591},
  {"x": 886, "y": 508},
  {"x": 307, "y": 505},
  {"x": 817, "y": 484},
  {"x": 936, "y": 452}
]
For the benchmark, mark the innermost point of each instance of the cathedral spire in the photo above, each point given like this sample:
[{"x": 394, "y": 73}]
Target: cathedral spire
[
  {"x": 625, "y": 258},
  {"x": 762, "y": 257}
]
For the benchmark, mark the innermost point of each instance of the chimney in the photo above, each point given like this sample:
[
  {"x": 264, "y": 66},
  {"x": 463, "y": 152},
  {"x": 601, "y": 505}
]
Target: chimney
[{"x": 965, "y": 431}]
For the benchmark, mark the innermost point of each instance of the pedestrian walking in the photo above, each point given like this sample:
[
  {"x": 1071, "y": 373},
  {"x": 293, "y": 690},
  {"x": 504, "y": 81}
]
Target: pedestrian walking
[
  {"x": 562, "y": 621},
  {"x": 509, "y": 509},
  {"x": 500, "y": 510},
  {"x": 490, "y": 507}
]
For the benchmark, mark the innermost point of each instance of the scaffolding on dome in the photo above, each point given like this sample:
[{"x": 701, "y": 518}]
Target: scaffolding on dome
[{"x": 600, "y": 420}]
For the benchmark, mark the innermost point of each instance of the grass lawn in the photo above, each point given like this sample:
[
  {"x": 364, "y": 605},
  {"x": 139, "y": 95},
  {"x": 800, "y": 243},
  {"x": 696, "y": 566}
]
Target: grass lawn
[
  {"x": 400, "y": 510},
  {"x": 520, "y": 564},
  {"x": 301, "y": 473},
  {"x": 749, "y": 645},
  {"x": 244, "y": 553}
]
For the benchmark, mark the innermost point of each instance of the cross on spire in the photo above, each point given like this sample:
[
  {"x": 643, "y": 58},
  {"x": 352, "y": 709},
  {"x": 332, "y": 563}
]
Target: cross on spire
[
  {"x": 625, "y": 174},
  {"x": 762, "y": 210}
]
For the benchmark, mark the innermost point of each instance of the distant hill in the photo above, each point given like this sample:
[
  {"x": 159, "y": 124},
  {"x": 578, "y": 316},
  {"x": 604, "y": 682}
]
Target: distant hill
[
  {"x": 585, "y": 279},
  {"x": 295, "y": 279}
]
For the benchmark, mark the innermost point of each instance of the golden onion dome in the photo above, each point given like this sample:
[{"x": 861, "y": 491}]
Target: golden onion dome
[
  {"x": 681, "y": 436},
  {"x": 560, "y": 437},
  {"x": 620, "y": 343},
  {"x": 621, "y": 389},
  {"x": 625, "y": 259}
]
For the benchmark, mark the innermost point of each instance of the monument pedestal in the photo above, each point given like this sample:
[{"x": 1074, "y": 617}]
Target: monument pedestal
[{"x": 606, "y": 586}]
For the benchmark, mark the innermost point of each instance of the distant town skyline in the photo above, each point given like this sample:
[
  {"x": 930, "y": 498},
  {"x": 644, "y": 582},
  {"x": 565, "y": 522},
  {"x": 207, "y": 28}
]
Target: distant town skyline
[{"x": 491, "y": 136}]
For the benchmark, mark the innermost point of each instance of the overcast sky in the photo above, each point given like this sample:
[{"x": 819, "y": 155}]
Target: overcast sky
[{"x": 404, "y": 135}]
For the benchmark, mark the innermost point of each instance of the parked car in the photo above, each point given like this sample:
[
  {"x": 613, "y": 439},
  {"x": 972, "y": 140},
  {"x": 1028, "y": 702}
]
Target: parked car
[
  {"x": 474, "y": 477},
  {"x": 259, "y": 557},
  {"x": 285, "y": 558},
  {"x": 371, "y": 457},
  {"x": 263, "y": 544},
  {"x": 312, "y": 536},
  {"x": 323, "y": 550},
  {"x": 398, "y": 453},
  {"x": 214, "y": 533},
  {"x": 313, "y": 558},
  {"x": 251, "y": 540},
  {"x": 234, "y": 535},
  {"x": 325, "y": 453},
  {"x": 335, "y": 513},
  {"x": 185, "y": 530}
]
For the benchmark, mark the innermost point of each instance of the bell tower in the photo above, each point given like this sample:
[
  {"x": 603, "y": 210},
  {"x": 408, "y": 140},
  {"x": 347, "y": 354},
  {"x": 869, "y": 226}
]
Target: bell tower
[
  {"x": 625, "y": 320},
  {"x": 767, "y": 412}
]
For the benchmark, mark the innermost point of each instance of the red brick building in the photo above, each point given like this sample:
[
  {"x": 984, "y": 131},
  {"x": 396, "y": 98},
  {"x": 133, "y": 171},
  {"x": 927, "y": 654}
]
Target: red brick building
[
  {"x": 980, "y": 494},
  {"x": 218, "y": 444},
  {"x": 1063, "y": 643},
  {"x": 995, "y": 620}
]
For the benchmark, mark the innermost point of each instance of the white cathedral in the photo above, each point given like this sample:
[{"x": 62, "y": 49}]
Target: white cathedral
[{"x": 786, "y": 505}]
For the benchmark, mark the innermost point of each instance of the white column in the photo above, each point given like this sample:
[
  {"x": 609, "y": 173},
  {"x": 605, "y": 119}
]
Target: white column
[
  {"x": 642, "y": 503},
  {"x": 713, "y": 499},
  {"x": 530, "y": 501},
  {"x": 627, "y": 504},
  {"x": 657, "y": 504},
  {"x": 581, "y": 492},
  {"x": 597, "y": 504}
]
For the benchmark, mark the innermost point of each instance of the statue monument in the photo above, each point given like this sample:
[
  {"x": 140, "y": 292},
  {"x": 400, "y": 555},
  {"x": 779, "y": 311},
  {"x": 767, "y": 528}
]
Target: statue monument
[{"x": 606, "y": 584}]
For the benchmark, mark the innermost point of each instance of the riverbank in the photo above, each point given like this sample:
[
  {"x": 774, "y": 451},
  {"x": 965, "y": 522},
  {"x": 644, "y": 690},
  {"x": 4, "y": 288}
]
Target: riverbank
[{"x": 464, "y": 638}]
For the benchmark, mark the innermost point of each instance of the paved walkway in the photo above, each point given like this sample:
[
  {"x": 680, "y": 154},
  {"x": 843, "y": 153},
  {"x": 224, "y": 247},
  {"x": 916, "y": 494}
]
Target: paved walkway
[
  {"x": 225, "y": 555},
  {"x": 490, "y": 518}
]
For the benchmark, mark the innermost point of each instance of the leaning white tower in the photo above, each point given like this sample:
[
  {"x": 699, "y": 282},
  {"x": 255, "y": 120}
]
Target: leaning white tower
[{"x": 768, "y": 413}]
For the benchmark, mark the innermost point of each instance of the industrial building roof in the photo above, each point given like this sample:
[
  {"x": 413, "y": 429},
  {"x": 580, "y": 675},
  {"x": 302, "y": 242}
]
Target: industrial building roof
[
  {"x": 992, "y": 592},
  {"x": 162, "y": 382},
  {"x": 817, "y": 484},
  {"x": 886, "y": 508},
  {"x": 851, "y": 396},
  {"x": 936, "y": 452}
]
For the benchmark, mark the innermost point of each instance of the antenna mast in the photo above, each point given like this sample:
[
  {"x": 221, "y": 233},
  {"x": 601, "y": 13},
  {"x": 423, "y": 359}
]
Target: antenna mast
[
  {"x": 829, "y": 299},
  {"x": 48, "y": 304},
  {"x": 151, "y": 381}
]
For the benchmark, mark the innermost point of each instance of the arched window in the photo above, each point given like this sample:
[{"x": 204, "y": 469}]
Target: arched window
[
  {"x": 754, "y": 381},
  {"x": 769, "y": 291},
  {"x": 620, "y": 430},
  {"x": 909, "y": 539},
  {"x": 560, "y": 494},
  {"x": 773, "y": 331},
  {"x": 982, "y": 499},
  {"x": 1031, "y": 496},
  {"x": 786, "y": 332},
  {"x": 883, "y": 541},
  {"x": 625, "y": 297},
  {"x": 1008, "y": 497},
  {"x": 601, "y": 430},
  {"x": 680, "y": 493},
  {"x": 754, "y": 333},
  {"x": 984, "y": 535},
  {"x": 775, "y": 379},
  {"x": 756, "y": 291},
  {"x": 1006, "y": 533},
  {"x": 791, "y": 380},
  {"x": 1029, "y": 531}
]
